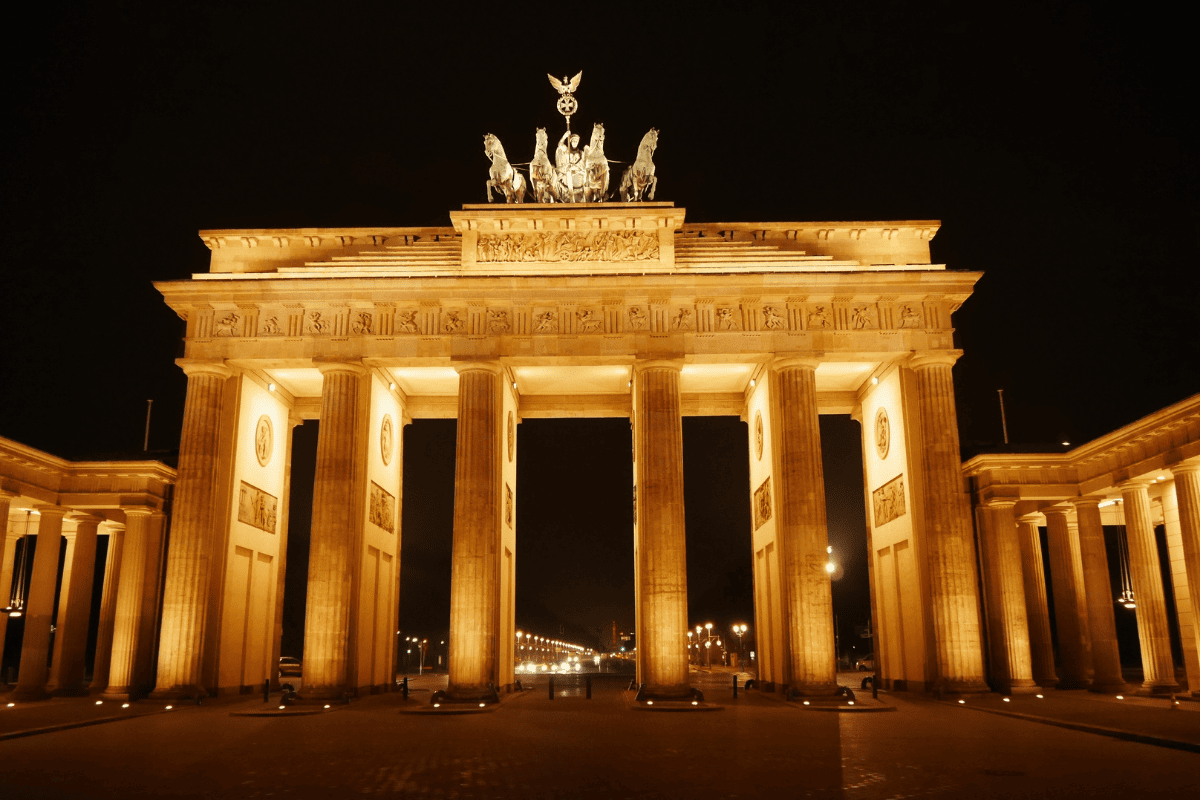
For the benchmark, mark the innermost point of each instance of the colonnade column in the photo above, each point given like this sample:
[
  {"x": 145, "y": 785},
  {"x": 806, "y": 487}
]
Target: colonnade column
[
  {"x": 474, "y": 580},
  {"x": 8, "y": 548},
  {"x": 1011, "y": 659},
  {"x": 108, "y": 607},
  {"x": 953, "y": 591},
  {"x": 1037, "y": 608},
  {"x": 189, "y": 561},
  {"x": 1187, "y": 491},
  {"x": 662, "y": 545},
  {"x": 1157, "y": 666},
  {"x": 74, "y": 609},
  {"x": 1102, "y": 628},
  {"x": 335, "y": 519},
  {"x": 131, "y": 640},
  {"x": 39, "y": 613},
  {"x": 1068, "y": 600},
  {"x": 802, "y": 530}
]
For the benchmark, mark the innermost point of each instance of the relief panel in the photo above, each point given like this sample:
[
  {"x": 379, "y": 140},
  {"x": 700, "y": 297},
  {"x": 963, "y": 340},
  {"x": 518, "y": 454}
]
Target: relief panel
[{"x": 256, "y": 508}]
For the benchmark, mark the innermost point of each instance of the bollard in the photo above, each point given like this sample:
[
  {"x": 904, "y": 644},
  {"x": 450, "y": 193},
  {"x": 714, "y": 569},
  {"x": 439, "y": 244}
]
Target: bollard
[
  {"x": 588, "y": 682},
  {"x": 735, "y": 687},
  {"x": 404, "y": 688},
  {"x": 551, "y": 685},
  {"x": 267, "y": 691}
]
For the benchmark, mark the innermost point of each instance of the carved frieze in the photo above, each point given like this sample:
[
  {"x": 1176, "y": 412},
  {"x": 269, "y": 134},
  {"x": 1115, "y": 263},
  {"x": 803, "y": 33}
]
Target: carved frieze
[
  {"x": 498, "y": 321},
  {"x": 545, "y": 322},
  {"x": 382, "y": 512},
  {"x": 453, "y": 322},
  {"x": 588, "y": 321},
  {"x": 684, "y": 319},
  {"x": 314, "y": 323},
  {"x": 864, "y": 317},
  {"x": 363, "y": 322},
  {"x": 637, "y": 317},
  {"x": 727, "y": 319},
  {"x": 512, "y": 436},
  {"x": 910, "y": 316},
  {"x": 762, "y": 504},
  {"x": 227, "y": 325},
  {"x": 773, "y": 320},
  {"x": 820, "y": 316},
  {"x": 888, "y": 501},
  {"x": 257, "y": 508},
  {"x": 567, "y": 246},
  {"x": 270, "y": 326}
]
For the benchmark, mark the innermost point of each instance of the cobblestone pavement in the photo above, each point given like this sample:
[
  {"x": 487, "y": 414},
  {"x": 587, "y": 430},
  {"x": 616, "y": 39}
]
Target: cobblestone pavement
[{"x": 533, "y": 747}]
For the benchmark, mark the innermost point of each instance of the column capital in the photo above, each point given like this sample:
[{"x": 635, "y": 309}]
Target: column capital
[
  {"x": 1065, "y": 510},
  {"x": 1000, "y": 502},
  {"x": 8, "y": 494},
  {"x": 1090, "y": 500},
  {"x": 201, "y": 366},
  {"x": 1032, "y": 518},
  {"x": 479, "y": 365},
  {"x": 137, "y": 511},
  {"x": 1186, "y": 468},
  {"x": 674, "y": 364},
  {"x": 1134, "y": 484},
  {"x": 50, "y": 510},
  {"x": 85, "y": 518},
  {"x": 780, "y": 363},
  {"x": 326, "y": 366},
  {"x": 934, "y": 358}
]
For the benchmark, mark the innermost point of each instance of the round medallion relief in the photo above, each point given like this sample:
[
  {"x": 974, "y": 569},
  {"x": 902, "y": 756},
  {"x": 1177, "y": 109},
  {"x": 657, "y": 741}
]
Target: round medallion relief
[
  {"x": 512, "y": 436},
  {"x": 385, "y": 439},
  {"x": 883, "y": 433},
  {"x": 264, "y": 439},
  {"x": 758, "y": 435}
]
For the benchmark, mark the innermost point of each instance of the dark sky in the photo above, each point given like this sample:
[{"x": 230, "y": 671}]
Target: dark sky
[{"x": 1055, "y": 141}]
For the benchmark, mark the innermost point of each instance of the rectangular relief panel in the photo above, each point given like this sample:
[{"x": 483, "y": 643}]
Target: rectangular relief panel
[
  {"x": 762, "y": 504},
  {"x": 383, "y": 508},
  {"x": 257, "y": 508},
  {"x": 888, "y": 501}
]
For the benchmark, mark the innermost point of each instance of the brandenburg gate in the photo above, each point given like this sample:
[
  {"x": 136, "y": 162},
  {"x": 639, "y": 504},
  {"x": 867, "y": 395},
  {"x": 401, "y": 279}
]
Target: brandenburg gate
[{"x": 610, "y": 309}]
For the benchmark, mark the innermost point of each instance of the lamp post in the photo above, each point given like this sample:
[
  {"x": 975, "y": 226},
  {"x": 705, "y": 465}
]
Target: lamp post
[{"x": 739, "y": 630}]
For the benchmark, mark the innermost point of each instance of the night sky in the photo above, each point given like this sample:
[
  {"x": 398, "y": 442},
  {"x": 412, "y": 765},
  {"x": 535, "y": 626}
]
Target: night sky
[{"x": 1056, "y": 142}]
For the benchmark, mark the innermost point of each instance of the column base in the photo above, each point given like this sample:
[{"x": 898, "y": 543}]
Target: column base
[
  {"x": 961, "y": 687},
  {"x": 78, "y": 690},
  {"x": 325, "y": 693},
  {"x": 812, "y": 690},
  {"x": 121, "y": 693},
  {"x": 1072, "y": 683},
  {"x": 26, "y": 695},
  {"x": 1108, "y": 687},
  {"x": 1157, "y": 689},
  {"x": 1047, "y": 683},
  {"x": 1023, "y": 687},
  {"x": 177, "y": 693}
]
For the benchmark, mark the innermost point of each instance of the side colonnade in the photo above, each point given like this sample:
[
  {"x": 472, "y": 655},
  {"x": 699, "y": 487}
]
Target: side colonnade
[{"x": 1131, "y": 481}]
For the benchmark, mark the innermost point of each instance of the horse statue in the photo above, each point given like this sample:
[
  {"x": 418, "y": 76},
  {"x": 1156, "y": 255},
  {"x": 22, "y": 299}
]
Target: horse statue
[
  {"x": 541, "y": 171},
  {"x": 639, "y": 176},
  {"x": 595, "y": 167},
  {"x": 504, "y": 179}
]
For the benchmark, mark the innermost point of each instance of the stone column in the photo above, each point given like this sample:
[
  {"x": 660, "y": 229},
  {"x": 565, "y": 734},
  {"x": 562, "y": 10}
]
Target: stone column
[
  {"x": 74, "y": 610},
  {"x": 1187, "y": 491},
  {"x": 189, "y": 561},
  {"x": 1037, "y": 609},
  {"x": 130, "y": 641},
  {"x": 474, "y": 580},
  {"x": 108, "y": 607},
  {"x": 662, "y": 546},
  {"x": 39, "y": 613},
  {"x": 1102, "y": 628},
  {"x": 1011, "y": 660},
  {"x": 953, "y": 591},
  {"x": 1157, "y": 666},
  {"x": 336, "y": 518},
  {"x": 8, "y": 552},
  {"x": 1068, "y": 600},
  {"x": 801, "y": 528}
]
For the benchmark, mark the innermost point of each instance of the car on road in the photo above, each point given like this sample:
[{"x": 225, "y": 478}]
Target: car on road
[
  {"x": 290, "y": 672},
  {"x": 866, "y": 663}
]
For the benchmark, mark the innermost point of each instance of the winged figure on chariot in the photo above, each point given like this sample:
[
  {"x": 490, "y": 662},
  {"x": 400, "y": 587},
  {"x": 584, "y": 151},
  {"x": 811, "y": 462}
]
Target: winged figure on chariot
[{"x": 578, "y": 174}]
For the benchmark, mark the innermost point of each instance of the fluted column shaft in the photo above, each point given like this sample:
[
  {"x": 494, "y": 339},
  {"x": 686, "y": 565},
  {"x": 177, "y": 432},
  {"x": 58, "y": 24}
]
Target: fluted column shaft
[
  {"x": 1157, "y": 666},
  {"x": 801, "y": 529},
  {"x": 474, "y": 581},
  {"x": 39, "y": 614},
  {"x": 193, "y": 530},
  {"x": 1068, "y": 600},
  {"x": 953, "y": 591},
  {"x": 1187, "y": 492},
  {"x": 108, "y": 608},
  {"x": 335, "y": 532},
  {"x": 1011, "y": 658},
  {"x": 130, "y": 641},
  {"x": 1102, "y": 628},
  {"x": 75, "y": 610},
  {"x": 662, "y": 546},
  {"x": 1037, "y": 608},
  {"x": 8, "y": 542}
]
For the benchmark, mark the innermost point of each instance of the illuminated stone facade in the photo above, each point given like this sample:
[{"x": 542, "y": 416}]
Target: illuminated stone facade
[{"x": 602, "y": 310}]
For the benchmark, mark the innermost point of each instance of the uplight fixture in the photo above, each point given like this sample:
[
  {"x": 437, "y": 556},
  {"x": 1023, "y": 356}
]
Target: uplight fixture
[
  {"x": 1120, "y": 697},
  {"x": 962, "y": 702},
  {"x": 99, "y": 702},
  {"x": 1040, "y": 696},
  {"x": 170, "y": 707},
  {"x": 391, "y": 386},
  {"x": 270, "y": 387},
  {"x": 874, "y": 381},
  {"x": 124, "y": 705}
]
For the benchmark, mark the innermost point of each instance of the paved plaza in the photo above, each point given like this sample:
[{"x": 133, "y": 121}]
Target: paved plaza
[{"x": 534, "y": 747}]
